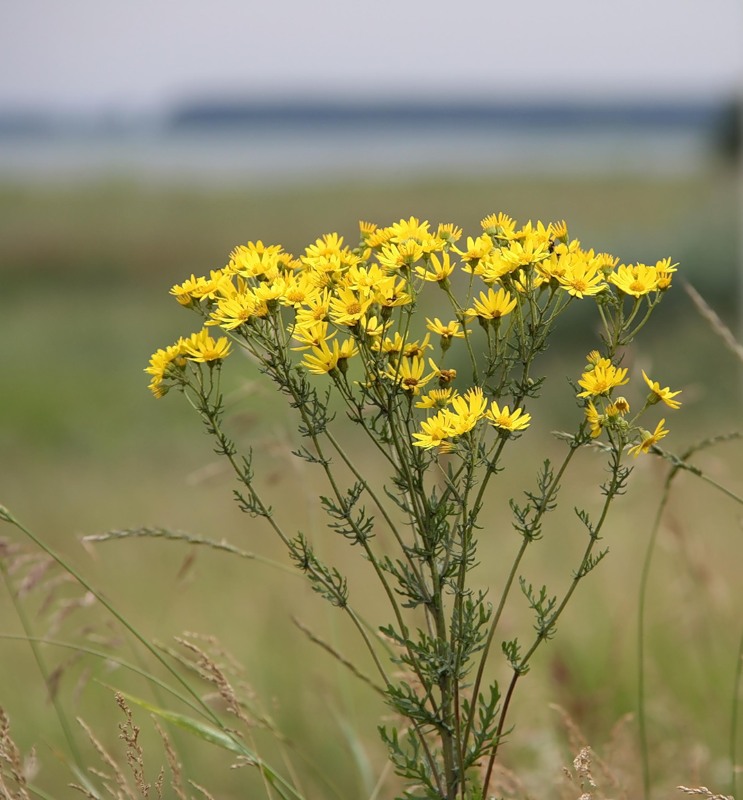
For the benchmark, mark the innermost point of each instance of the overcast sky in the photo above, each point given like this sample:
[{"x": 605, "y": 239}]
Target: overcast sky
[{"x": 148, "y": 54}]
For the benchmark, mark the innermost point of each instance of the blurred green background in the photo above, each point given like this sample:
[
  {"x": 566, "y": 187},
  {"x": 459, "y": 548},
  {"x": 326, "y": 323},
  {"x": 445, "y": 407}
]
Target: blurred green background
[{"x": 86, "y": 268}]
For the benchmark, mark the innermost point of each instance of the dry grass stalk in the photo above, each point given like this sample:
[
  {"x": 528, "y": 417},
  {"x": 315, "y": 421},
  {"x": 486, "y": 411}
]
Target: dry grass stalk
[
  {"x": 704, "y": 792},
  {"x": 176, "y": 769},
  {"x": 717, "y": 325},
  {"x": 13, "y": 784},
  {"x": 588, "y": 761},
  {"x": 201, "y": 789},
  {"x": 129, "y": 733},
  {"x": 212, "y": 672},
  {"x": 118, "y": 776}
]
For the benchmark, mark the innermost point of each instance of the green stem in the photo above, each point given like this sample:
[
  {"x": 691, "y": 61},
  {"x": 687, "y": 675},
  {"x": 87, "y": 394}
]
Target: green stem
[
  {"x": 545, "y": 631},
  {"x": 552, "y": 489}
]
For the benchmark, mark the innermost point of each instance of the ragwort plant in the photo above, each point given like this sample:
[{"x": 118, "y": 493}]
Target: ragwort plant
[{"x": 440, "y": 400}]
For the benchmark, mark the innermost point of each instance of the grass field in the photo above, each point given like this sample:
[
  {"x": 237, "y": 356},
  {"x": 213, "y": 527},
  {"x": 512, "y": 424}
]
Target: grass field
[{"x": 86, "y": 272}]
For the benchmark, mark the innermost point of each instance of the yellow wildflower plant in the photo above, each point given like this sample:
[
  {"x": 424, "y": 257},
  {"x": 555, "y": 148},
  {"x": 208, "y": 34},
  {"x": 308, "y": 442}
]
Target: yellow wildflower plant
[{"x": 349, "y": 327}]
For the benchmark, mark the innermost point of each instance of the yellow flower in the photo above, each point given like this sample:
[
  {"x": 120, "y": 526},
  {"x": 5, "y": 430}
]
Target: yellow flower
[
  {"x": 443, "y": 376},
  {"x": 438, "y": 270},
  {"x": 311, "y": 334},
  {"x": 202, "y": 348},
  {"x": 582, "y": 279},
  {"x": 184, "y": 292},
  {"x": 160, "y": 363},
  {"x": 594, "y": 419},
  {"x": 601, "y": 380},
  {"x": 270, "y": 292},
  {"x": 492, "y": 305},
  {"x": 322, "y": 360},
  {"x": 297, "y": 290},
  {"x": 347, "y": 349},
  {"x": 315, "y": 309},
  {"x": 379, "y": 237},
  {"x": 372, "y": 327},
  {"x": 447, "y": 332},
  {"x": 396, "y": 256},
  {"x": 559, "y": 230},
  {"x": 231, "y": 312},
  {"x": 467, "y": 410},
  {"x": 594, "y": 358},
  {"x": 657, "y": 394},
  {"x": 494, "y": 266},
  {"x": 449, "y": 232},
  {"x": 365, "y": 278},
  {"x": 417, "y": 349},
  {"x": 367, "y": 228},
  {"x": 529, "y": 251},
  {"x": 347, "y": 307},
  {"x": 637, "y": 280},
  {"x": 437, "y": 398},
  {"x": 391, "y": 347},
  {"x": 506, "y": 420},
  {"x": 255, "y": 260},
  {"x": 408, "y": 373},
  {"x": 434, "y": 431},
  {"x": 412, "y": 228},
  {"x": 664, "y": 270},
  {"x": 619, "y": 408},
  {"x": 500, "y": 225},
  {"x": 331, "y": 244},
  {"x": 605, "y": 262},
  {"x": 649, "y": 439},
  {"x": 391, "y": 294},
  {"x": 476, "y": 249}
]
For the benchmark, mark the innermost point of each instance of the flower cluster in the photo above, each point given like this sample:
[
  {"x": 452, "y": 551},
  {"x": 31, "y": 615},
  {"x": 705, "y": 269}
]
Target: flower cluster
[
  {"x": 429, "y": 342},
  {"x": 349, "y": 313},
  {"x": 598, "y": 382}
]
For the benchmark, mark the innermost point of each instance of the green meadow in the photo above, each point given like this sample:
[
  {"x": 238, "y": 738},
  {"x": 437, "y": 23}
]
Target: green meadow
[{"x": 86, "y": 270}]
